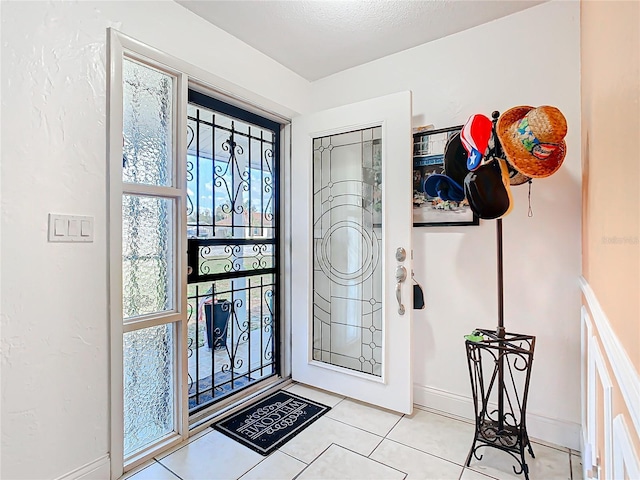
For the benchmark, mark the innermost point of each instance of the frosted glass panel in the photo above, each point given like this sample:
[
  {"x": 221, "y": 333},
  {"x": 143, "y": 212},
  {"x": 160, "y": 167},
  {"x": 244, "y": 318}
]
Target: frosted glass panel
[
  {"x": 148, "y": 386},
  {"x": 148, "y": 125},
  {"x": 147, "y": 259},
  {"x": 347, "y": 236}
]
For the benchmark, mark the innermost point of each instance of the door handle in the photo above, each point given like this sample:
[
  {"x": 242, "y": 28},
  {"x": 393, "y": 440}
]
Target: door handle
[{"x": 401, "y": 276}]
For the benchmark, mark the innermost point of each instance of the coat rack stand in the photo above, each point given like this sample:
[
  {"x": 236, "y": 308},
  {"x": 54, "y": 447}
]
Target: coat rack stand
[{"x": 500, "y": 370}]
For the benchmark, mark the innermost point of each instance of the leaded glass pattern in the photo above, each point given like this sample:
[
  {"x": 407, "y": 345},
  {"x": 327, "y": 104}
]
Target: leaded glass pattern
[
  {"x": 147, "y": 125},
  {"x": 347, "y": 250},
  {"x": 147, "y": 255},
  {"x": 148, "y": 386}
]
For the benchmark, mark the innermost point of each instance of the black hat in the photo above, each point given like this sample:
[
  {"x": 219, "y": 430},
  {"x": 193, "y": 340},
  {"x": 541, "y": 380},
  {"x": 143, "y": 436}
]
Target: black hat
[
  {"x": 455, "y": 159},
  {"x": 487, "y": 190},
  {"x": 449, "y": 185}
]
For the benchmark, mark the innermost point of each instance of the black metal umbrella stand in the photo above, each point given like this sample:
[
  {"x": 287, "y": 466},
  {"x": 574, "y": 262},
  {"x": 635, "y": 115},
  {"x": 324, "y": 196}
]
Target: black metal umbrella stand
[{"x": 500, "y": 370}]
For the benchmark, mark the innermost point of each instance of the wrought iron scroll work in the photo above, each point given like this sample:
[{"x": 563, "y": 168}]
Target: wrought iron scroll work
[
  {"x": 229, "y": 161},
  {"x": 240, "y": 367},
  {"x": 232, "y": 228},
  {"x": 500, "y": 370}
]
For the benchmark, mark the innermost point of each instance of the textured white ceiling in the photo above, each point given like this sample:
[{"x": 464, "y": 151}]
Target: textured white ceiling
[{"x": 318, "y": 38}]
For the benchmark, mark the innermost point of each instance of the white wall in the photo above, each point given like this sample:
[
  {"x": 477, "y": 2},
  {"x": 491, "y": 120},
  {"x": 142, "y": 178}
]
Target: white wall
[
  {"x": 54, "y": 306},
  {"x": 55, "y": 354},
  {"x": 530, "y": 58}
]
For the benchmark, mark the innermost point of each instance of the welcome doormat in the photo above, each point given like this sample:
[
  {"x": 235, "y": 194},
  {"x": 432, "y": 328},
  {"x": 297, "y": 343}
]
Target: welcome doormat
[{"x": 272, "y": 421}]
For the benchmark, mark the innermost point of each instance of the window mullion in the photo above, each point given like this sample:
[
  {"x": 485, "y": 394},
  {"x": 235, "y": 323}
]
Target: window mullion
[{"x": 151, "y": 190}]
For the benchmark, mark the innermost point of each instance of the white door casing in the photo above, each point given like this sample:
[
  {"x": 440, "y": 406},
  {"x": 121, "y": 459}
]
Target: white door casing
[{"x": 394, "y": 388}]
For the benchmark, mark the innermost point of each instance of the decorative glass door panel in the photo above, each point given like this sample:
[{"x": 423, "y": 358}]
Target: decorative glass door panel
[
  {"x": 347, "y": 250},
  {"x": 351, "y": 212}
]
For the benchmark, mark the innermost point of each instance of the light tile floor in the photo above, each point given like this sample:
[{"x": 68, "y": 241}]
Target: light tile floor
[{"x": 355, "y": 441}]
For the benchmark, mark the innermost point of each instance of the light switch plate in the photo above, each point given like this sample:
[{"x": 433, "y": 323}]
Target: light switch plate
[{"x": 70, "y": 228}]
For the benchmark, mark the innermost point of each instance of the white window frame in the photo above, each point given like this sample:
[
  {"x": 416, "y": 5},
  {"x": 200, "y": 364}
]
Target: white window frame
[
  {"x": 187, "y": 76},
  {"x": 121, "y": 47}
]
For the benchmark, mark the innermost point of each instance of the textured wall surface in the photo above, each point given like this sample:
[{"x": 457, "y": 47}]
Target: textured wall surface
[
  {"x": 55, "y": 354},
  {"x": 55, "y": 349}
]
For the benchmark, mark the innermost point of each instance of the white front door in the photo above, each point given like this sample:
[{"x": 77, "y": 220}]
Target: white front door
[{"x": 351, "y": 222}]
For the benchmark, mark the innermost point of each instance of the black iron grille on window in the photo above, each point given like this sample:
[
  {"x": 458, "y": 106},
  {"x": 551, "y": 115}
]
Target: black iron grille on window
[{"x": 232, "y": 229}]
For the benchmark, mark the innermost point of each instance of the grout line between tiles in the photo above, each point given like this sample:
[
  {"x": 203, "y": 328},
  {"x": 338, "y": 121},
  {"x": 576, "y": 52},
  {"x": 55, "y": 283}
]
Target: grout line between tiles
[
  {"x": 554, "y": 447},
  {"x": 307, "y": 464},
  {"x": 368, "y": 458},
  {"x": 385, "y": 436},
  {"x": 394, "y": 425},
  {"x": 571, "y": 467},
  {"x": 269, "y": 456},
  {"x": 353, "y": 426},
  {"x": 181, "y": 445},
  {"x": 375, "y": 448},
  {"x": 167, "y": 468},
  {"x": 149, "y": 464},
  {"x": 251, "y": 468},
  {"x": 339, "y": 402},
  {"x": 427, "y": 453},
  {"x": 289, "y": 455},
  {"x": 477, "y": 472},
  {"x": 311, "y": 462},
  {"x": 444, "y": 414}
]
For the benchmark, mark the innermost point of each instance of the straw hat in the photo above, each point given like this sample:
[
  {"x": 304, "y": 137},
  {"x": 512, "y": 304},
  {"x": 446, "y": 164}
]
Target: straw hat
[
  {"x": 533, "y": 139},
  {"x": 515, "y": 177}
]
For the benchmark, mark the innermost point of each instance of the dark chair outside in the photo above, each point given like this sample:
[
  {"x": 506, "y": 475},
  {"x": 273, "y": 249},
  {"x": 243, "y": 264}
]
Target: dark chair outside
[{"x": 217, "y": 320}]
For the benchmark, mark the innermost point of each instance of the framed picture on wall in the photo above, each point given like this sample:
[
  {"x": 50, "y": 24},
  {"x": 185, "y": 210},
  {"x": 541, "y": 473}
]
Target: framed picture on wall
[{"x": 428, "y": 159}]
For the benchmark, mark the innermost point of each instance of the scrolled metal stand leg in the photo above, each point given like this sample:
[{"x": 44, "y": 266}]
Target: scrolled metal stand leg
[
  {"x": 473, "y": 447},
  {"x": 523, "y": 462}
]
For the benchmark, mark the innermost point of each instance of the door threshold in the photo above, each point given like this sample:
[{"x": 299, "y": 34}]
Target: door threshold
[{"x": 206, "y": 418}]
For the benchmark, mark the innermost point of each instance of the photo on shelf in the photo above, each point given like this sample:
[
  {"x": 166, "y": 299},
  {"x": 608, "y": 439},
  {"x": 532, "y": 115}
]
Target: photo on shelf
[{"x": 429, "y": 159}]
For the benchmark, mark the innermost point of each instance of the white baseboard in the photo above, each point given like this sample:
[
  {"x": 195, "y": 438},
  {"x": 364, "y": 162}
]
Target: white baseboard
[
  {"x": 99, "y": 469},
  {"x": 550, "y": 430},
  {"x": 443, "y": 401}
]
